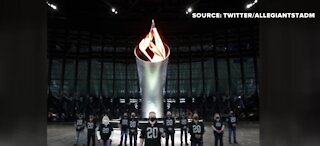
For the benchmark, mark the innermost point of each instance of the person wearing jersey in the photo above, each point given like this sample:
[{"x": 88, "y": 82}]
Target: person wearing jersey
[
  {"x": 124, "y": 122},
  {"x": 218, "y": 127},
  {"x": 133, "y": 129},
  {"x": 169, "y": 124},
  {"x": 80, "y": 126},
  {"x": 196, "y": 130},
  {"x": 91, "y": 130},
  {"x": 183, "y": 128},
  {"x": 104, "y": 132},
  {"x": 232, "y": 122},
  {"x": 152, "y": 132}
]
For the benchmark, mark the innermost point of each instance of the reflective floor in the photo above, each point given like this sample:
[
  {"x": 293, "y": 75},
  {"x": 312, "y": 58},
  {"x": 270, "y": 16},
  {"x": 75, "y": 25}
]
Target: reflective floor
[{"x": 64, "y": 135}]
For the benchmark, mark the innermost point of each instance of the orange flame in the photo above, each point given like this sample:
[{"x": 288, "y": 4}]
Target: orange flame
[{"x": 154, "y": 51}]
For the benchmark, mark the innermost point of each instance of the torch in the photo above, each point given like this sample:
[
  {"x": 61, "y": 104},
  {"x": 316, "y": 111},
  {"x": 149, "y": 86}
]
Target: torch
[{"x": 152, "y": 57}]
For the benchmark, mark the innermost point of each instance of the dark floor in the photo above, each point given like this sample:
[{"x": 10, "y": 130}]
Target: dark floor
[{"x": 64, "y": 135}]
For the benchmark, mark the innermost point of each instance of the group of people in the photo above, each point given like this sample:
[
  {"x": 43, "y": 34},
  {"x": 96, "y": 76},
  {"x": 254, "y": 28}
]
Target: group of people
[{"x": 152, "y": 132}]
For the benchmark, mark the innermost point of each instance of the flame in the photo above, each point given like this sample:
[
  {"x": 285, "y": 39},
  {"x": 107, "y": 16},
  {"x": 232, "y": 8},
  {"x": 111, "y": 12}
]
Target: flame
[{"x": 154, "y": 51}]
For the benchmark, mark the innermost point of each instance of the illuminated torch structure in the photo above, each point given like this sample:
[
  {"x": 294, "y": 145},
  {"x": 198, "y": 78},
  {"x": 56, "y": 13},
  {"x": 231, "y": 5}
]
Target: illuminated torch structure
[{"x": 152, "y": 57}]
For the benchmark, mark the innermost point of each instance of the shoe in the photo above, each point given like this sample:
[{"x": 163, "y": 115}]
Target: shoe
[{"x": 235, "y": 142}]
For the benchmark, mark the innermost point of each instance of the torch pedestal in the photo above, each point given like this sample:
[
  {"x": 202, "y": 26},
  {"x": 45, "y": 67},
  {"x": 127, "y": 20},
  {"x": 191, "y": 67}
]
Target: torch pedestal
[{"x": 152, "y": 78}]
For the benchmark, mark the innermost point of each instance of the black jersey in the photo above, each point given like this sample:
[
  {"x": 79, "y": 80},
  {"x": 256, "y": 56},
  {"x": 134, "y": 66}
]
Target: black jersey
[
  {"x": 91, "y": 126},
  {"x": 80, "y": 124},
  {"x": 232, "y": 121},
  {"x": 217, "y": 124},
  {"x": 169, "y": 124},
  {"x": 184, "y": 123},
  {"x": 105, "y": 131},
  {"x": 196, "y": 131},
  {"x": 151, "y": 134},
  {"x": 124, "y": 123},
  {"x": 133, "y": 125}
]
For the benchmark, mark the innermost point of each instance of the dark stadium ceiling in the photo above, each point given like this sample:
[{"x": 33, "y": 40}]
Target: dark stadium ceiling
[{"x": 134, "y": 16}]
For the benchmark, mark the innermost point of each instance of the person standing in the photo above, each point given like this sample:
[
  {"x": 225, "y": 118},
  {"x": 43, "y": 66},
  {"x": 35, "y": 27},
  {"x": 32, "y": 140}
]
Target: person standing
[
  {"x": 124, "y": 122},
  {"x": 218, "y": 127},
  {"x": 196, "y": 130},
  {"x": 79, "y": 125},
  {"x": 169, "y": 124},
  {"x": 133, "y": 129},
  {"x": 91, "y": 127},
  {"x": 151, "y": 133},
  {"x": 183, "y": 128},
  {"x": 232, "y": 123},
  {"x": 104, "y": 132}
]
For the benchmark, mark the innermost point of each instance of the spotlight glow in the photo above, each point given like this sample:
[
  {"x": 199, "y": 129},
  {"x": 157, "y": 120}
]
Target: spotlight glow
[
  {"x": 189, "y": 10},
  {"x": 249, "y": 5},
  {"x": 52, "y": 6},
  {"x": 113, "y": 10}
]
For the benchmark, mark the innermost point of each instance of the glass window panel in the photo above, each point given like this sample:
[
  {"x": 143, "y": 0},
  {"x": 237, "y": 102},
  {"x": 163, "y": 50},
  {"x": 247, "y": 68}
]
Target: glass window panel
[
  {"x": 70, "y": 68},
  {"x": 107, "y": 70},
  {"x": 132, "y": 71},
  {"x": 183, "y": 49},
  {"x": 250, "y": 87},
  {"x": 196, "y": 88},
  {"x": 248, "y": 67},
  {"x": 132, "y": 88},
  {"x": 82, "y": 69},
  {"x": 68, "y": 87},
  {"x": 184, "y": 88},
  {"x": 120, "y": 70},
  {"x": 56, "y": 69},
  {"x": 196, "y": 70},
  {"x": 96, "y": 48},
  {"x": 107, "y": 88},
  {"x": 95, "y": 69},
  {"x": 82, "y": 87},
  {"x": 172, "y": 88},
  {"x": 235, "y": 69},
  {"x": 172, "y": 71},
  {"x": 55, "y": 87},
  {"x": 222, "y": 69},
  {"x": 120, "y": 88},
  {"x": 209, "y": 87},
  {"x": 95, "y": 87},
  {"x": 184, "y": 71},
  {"x": 209, "y": 69},
  {"x": 236, "y": 86},
  {"x": 223, "y": 86}
]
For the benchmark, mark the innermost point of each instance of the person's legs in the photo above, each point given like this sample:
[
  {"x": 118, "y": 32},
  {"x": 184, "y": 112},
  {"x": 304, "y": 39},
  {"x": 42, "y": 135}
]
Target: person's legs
[
  {"x": 121, "y": 137},
  {"x": 125, "y": 137},
  {"x": 130, "y": 139},
  {"x": 172, "y": 139},
  {"x": 181, "y": 136},
  {"x": 234, "y": 135},
  {"x": 200, "y": 144},
  {"x": 215, "y": 139},
  {"x": 135, "y": 139},
  {"x": 167, "y": 139},
  {"x": 221, "y": 139},
  {"x": 186, "y": 136},
  {"x": 88, "y": 139},
  {"x": 230, "y": 133},
  {"x": 77, "y": 138},
  {"x": 93, "y": 140},
  {"x": 193, "y": 143}
]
